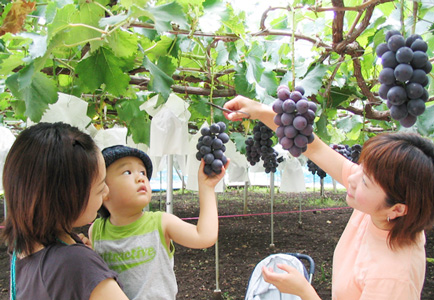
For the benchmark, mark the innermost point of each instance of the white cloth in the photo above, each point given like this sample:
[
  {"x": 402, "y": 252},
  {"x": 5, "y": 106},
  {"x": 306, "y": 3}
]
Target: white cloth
[
  {"x": 7, "y": 138},
  {"x": 258, "y": 289}
]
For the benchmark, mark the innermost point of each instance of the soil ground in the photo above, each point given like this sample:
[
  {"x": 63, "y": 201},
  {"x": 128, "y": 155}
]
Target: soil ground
[{"x": 302, "y": 223}]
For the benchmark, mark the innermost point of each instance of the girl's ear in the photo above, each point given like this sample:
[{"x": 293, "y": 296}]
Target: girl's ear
[{"x": 399, "y": 210}]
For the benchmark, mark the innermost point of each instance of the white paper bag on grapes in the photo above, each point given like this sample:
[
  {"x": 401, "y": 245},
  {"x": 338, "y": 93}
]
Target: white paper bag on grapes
[
  {"x": 238, "y": 167},
  {"x": 170, "y": 138},
  {"x": 7, "y": 138},
  {"x": 68, "y": 109},
  {"x": 193, "y": 164},
  {"x": 176, "y": 104},
  {"x": 111, "y": 137},
  {"x": 292, "y": 176},
  {"x": 169, "y": 134}
]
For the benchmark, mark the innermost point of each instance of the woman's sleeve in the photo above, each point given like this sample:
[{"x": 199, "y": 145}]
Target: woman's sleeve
[{"x": 76, "y": 272}]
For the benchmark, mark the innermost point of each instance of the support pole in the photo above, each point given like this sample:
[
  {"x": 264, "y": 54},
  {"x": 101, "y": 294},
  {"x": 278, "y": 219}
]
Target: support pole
[
  {"x": 246, "y": 186},
  {"x": 272, "y": 208},
  {"x": 169, "y": 188},
  {"x": 217, "y": 291}
]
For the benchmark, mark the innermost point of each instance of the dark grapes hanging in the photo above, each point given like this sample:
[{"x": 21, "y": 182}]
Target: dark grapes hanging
[
  {"x": 314, "y": 169},
  {"x": 295, "y": 116},
  {"x": 211, "y": 148},
  {"x": 351, "y": 153},
  {"x": 260, "y": 146},
  {"x": 404, "y": 76}
]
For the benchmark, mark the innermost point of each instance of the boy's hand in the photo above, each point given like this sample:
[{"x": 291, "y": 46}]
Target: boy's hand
[
  {"x": 212, "y": 180},
  {"x": 85, "y": 240}
]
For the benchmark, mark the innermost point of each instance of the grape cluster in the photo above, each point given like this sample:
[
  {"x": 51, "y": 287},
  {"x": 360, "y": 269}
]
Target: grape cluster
[
  {"x": 352, "y": 153},
  {"x": 260, "y": 146},
  {"x": 404, "y": 76},
  {"x": 314, "y": 169},
  {"x": 355, "y": 152},
  {"x": 343, "y": 150},
  {"x": 295, "y": 116},
  {"x": 211, "y": 148}
]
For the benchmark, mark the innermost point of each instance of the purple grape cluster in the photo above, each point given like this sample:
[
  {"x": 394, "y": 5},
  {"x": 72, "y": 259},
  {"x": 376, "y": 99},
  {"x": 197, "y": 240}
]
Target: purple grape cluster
[
  {"x": 404, "y": 76},
  {"x": 314, "y": 169},
  {"x": 343, "y": 150},
  {"x": 355, "y": 152},
  {"x": 211, "y": 148},
  {"x": 351, "y": 153},
  {"x": 295, "y": 116},
  {"x": 260, "y": 146}
]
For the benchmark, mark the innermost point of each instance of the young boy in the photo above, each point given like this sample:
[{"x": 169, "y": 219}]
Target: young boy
[{"x": 137, "y": 244}]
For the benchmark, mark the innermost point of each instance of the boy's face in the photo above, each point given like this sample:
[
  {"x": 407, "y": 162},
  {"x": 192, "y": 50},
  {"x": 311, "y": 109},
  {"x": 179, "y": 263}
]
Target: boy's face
[{"x": 129, "y": 187}]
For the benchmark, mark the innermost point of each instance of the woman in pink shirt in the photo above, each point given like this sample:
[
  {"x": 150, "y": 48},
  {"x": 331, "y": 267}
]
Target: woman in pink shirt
[{"x": 381, "y": 253}]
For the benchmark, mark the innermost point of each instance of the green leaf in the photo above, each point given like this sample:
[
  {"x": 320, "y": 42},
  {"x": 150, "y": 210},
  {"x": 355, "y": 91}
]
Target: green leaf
[
  {"x": 240, "y": 141},
  {"x": 129, "y": 3},
  {"x": 351, "y": 126},
  {"x": 242, "y": 86},
  {"x": 123, "y": 43},
  {"x": 313, "y": 80},
  {"x": 254, "y": 64},
  {"x": 10, "y": 62},
  {"x": 137, "y": 120},
  {"x": 340, "y": 95},
  {"x": 160, "y": 48},
  {"x": 103, "y": 67},
  {"x": 35, "y": 88},
  {"x": 269, "y": 82},
  {"x": 321, "y": 128},
  {"x": 165, "y": 15},
  {"x": 167, "y": 65},
  {"x": 160, "y": 81},
  {"x": 425, "y": 122},
  {"x": 222, "y": 55}
]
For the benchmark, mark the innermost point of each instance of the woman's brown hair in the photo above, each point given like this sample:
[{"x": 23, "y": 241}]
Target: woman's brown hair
[
  {"x": 47, "y": 178},
  {"x": 403, "y": 165}
]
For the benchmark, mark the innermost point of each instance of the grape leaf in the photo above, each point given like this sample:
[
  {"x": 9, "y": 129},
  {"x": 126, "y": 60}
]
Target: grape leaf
[
  {"x": 425, "y": 122},
  {"x": 242, "y": 87},
  {"x": 129, "y": 3},
  {"x": 160, "y": 48},
  {"x": 351, "y": 126},
  {"x": 165, "y": 15},
  {"x": 222, "y": 55},
  {"x": 103, "y": 67},
  {"x": 35, "y": 88},
  {"x": 138, "y": 123},
  {"x": 269, "y": 82},
  {"x": 254, "y": 65},
  {"x": 160, "y": 81},
  {"x": 312, "y": 82},
  {"x": 123, "y": 43},
  {"x": 239, "y": 140}
]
